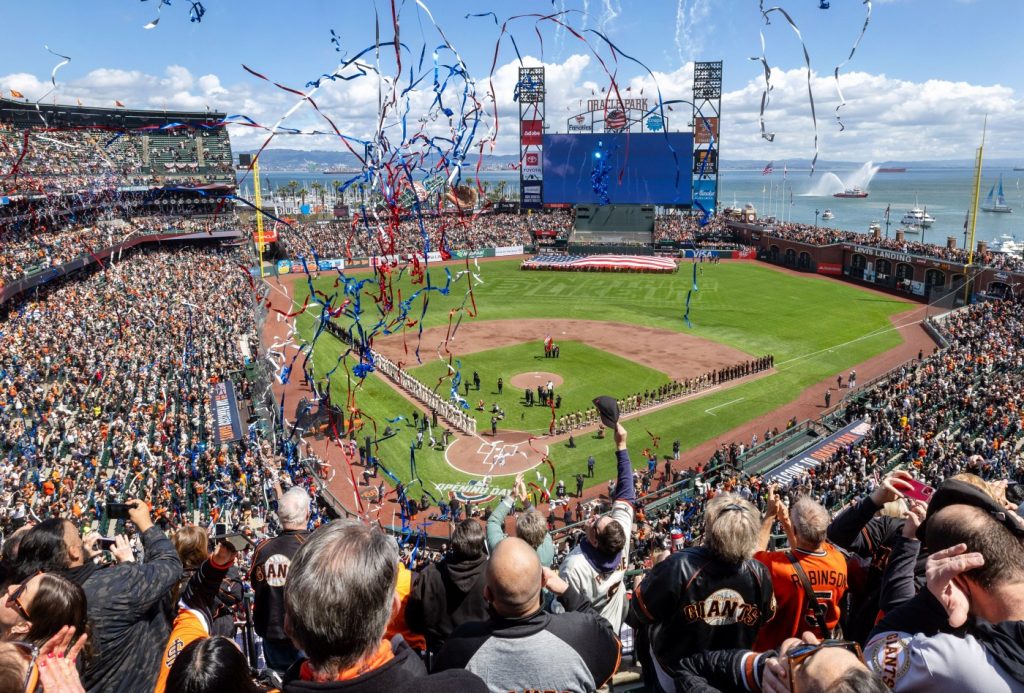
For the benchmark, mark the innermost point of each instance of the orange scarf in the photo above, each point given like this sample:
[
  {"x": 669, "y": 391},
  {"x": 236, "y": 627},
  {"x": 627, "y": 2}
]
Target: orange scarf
[{"x": 382, "y": 656}]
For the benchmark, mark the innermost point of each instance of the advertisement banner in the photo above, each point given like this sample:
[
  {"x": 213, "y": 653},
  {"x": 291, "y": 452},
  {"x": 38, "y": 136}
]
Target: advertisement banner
[
  {"x": 705, "y": 161},
  {"x": 508, "y": 250},
  {"x": 330, "y": 264},
  {"x": 531, "y": 131},
  {"x": 269, "y": 234},
  {"x": 227, "y": 426},
  {"x": 377, "y": 261},
  {"x": 531, "y": 166},
  {"x": 532, "y": 194},
  {"x": 821, "y": 452},
  {"x": 284, "y": 266},
  {"x": 831, "y": 268},
  {"x": 479, "y": 252},
  {"x": 704, "y": 192},
  {"x": 704, "y": 129}
]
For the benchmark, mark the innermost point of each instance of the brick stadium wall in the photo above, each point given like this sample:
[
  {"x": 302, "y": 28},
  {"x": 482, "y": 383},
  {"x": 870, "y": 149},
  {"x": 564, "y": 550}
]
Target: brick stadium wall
[{"x": 866, "y": 266}]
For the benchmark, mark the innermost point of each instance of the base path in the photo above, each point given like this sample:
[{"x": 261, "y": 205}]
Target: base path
[{"x": 677, "y": 354}]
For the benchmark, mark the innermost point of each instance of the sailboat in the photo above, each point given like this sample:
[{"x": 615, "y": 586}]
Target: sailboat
[{"x": 998, "y": 203}]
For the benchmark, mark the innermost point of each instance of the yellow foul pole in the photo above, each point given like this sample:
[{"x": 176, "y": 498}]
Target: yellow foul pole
[
  {"x": 259, "y": 214},
  {"x": 974, "y": 211}
]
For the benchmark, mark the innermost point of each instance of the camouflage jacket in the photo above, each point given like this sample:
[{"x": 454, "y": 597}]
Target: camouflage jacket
[{"x": 129, "y": 616}]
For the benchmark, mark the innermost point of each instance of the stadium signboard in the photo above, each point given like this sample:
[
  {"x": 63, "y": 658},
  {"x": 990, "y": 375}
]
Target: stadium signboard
[
  {"x": 330, "y": 264},
  {"x": 479, "y": 252},
  {"x": 532, "y": 131},
  {"x": 227, "y": 426},
  {"x": 820, "y": 452},
  {"x": 531, "y": 166},
  {"x": 508, "y": 250},
  {"x": 887, "y": 254},
  {"x": 532, "y": 195}
]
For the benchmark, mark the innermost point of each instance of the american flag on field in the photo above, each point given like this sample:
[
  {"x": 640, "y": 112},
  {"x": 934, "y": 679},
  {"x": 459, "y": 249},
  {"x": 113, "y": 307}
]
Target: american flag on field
[
  {"x": 770, "y": 168},
  {"x": 627, "y": 263}
]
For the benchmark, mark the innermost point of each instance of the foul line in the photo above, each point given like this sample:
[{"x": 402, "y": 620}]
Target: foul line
[{"x": 708, "y": 411}]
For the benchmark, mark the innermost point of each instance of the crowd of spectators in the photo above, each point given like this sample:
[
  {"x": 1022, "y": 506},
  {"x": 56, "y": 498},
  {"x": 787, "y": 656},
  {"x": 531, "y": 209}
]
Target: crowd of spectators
[
  {"x": 33, "y": 247},
  {"x": 361, "y": 238},
  {"x": 60, "y": 161},
  {"x": 106, "y": 391},
  {"x": 688, "y": 230},
  {"x": 820, "y": 235}
]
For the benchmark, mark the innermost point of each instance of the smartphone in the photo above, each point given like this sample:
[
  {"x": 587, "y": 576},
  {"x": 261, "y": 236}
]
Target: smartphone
[
  {"x": 119, "y": 511},
  {"x": 918, "y": 490},
  {"x": 105, "y": 543}
]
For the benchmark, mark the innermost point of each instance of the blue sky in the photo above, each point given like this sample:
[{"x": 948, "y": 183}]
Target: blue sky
[{"x": 922, "y": 79}]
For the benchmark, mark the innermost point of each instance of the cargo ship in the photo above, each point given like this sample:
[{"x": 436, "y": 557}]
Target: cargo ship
[
  {"x": 851, "y": 192},
  {"x": 893, "y": 169}
]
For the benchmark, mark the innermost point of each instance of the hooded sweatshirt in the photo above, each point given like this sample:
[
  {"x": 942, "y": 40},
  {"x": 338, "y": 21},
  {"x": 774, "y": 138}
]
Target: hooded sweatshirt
[{"x": 445, "y": 596}]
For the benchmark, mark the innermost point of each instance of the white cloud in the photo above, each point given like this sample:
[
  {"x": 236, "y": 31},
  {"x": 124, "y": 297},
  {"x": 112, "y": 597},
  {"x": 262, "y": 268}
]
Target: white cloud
[{"x": 884, "y": 117}]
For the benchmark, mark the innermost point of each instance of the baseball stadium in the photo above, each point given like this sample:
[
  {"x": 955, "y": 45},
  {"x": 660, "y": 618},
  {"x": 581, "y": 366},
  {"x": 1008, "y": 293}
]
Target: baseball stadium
[{"x": 433, "y": 422}]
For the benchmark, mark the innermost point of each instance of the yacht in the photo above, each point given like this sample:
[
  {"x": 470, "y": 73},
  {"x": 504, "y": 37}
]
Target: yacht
[
  {"x": 875, "y": 227},
  {"x": 918, "y": 217},
  {"x": 996, "y": 203},
  {"x": 1009, "y": 245},
  {"x": 911, "y": 229},
  {"x": 827, "y": 214},
  {"x": 851, "y": 192}
]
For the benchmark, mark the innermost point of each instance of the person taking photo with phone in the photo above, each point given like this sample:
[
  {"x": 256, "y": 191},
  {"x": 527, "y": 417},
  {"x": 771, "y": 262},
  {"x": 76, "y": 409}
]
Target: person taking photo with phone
[{"x": 126, "y": 609}]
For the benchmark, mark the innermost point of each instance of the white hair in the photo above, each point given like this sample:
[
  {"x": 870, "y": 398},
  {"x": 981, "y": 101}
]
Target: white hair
[{"x": 293, "y": 508}]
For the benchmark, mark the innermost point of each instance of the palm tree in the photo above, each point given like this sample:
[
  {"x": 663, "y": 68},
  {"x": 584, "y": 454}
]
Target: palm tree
[
  {"x": 318, "y": 191},
  {"x": 292, "y": 187},
  {"x": 302, "y": 196}
]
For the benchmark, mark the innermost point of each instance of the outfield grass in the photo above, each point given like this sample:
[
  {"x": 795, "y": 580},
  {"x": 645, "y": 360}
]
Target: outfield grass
[{"x": 815, "y": 328}]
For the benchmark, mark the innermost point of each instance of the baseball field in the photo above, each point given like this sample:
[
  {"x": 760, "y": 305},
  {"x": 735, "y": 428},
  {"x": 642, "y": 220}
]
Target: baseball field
[{"x": 618, "y": 334}]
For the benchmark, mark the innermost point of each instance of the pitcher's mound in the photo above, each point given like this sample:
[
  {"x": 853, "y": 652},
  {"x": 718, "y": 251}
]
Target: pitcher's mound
[
  {"x": 533, "y": 379},
  {"x": 510, "y": 452}
]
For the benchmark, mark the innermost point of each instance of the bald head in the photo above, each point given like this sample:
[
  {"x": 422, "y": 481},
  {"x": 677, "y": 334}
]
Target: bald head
[{"x": 513, "y": 578}]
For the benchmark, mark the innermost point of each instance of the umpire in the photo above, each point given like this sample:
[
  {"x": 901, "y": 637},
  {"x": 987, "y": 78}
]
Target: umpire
[{"x": 268, "y": 574}]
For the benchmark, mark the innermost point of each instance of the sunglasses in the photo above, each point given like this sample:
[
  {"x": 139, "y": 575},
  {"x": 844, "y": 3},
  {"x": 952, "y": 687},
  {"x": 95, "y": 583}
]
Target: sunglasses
[
  {"x": 15, "y": 597},
  {"x": 32, "y": 652},
  {"x": 801, "y": 653}
]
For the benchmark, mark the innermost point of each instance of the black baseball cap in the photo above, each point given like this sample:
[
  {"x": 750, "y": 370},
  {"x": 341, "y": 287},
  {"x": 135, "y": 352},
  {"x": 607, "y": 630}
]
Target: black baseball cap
[{"x": 608, "y": 410}]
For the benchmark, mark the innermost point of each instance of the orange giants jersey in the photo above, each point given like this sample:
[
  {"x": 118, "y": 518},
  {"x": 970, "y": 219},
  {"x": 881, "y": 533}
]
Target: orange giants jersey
[{"x": 826, "y": 571}]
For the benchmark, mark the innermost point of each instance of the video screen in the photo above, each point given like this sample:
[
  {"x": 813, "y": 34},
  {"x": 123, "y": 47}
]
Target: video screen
[{"x": 640, "y": 168}]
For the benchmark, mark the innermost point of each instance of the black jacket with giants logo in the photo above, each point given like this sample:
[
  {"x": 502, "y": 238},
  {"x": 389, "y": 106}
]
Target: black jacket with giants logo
[
  {"x": 268, "y": 574},
  {"x": 692, "y": 602}
]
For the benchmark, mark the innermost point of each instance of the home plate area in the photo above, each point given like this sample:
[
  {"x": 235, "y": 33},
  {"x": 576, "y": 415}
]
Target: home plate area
[{"x": 509, "y": 453}]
